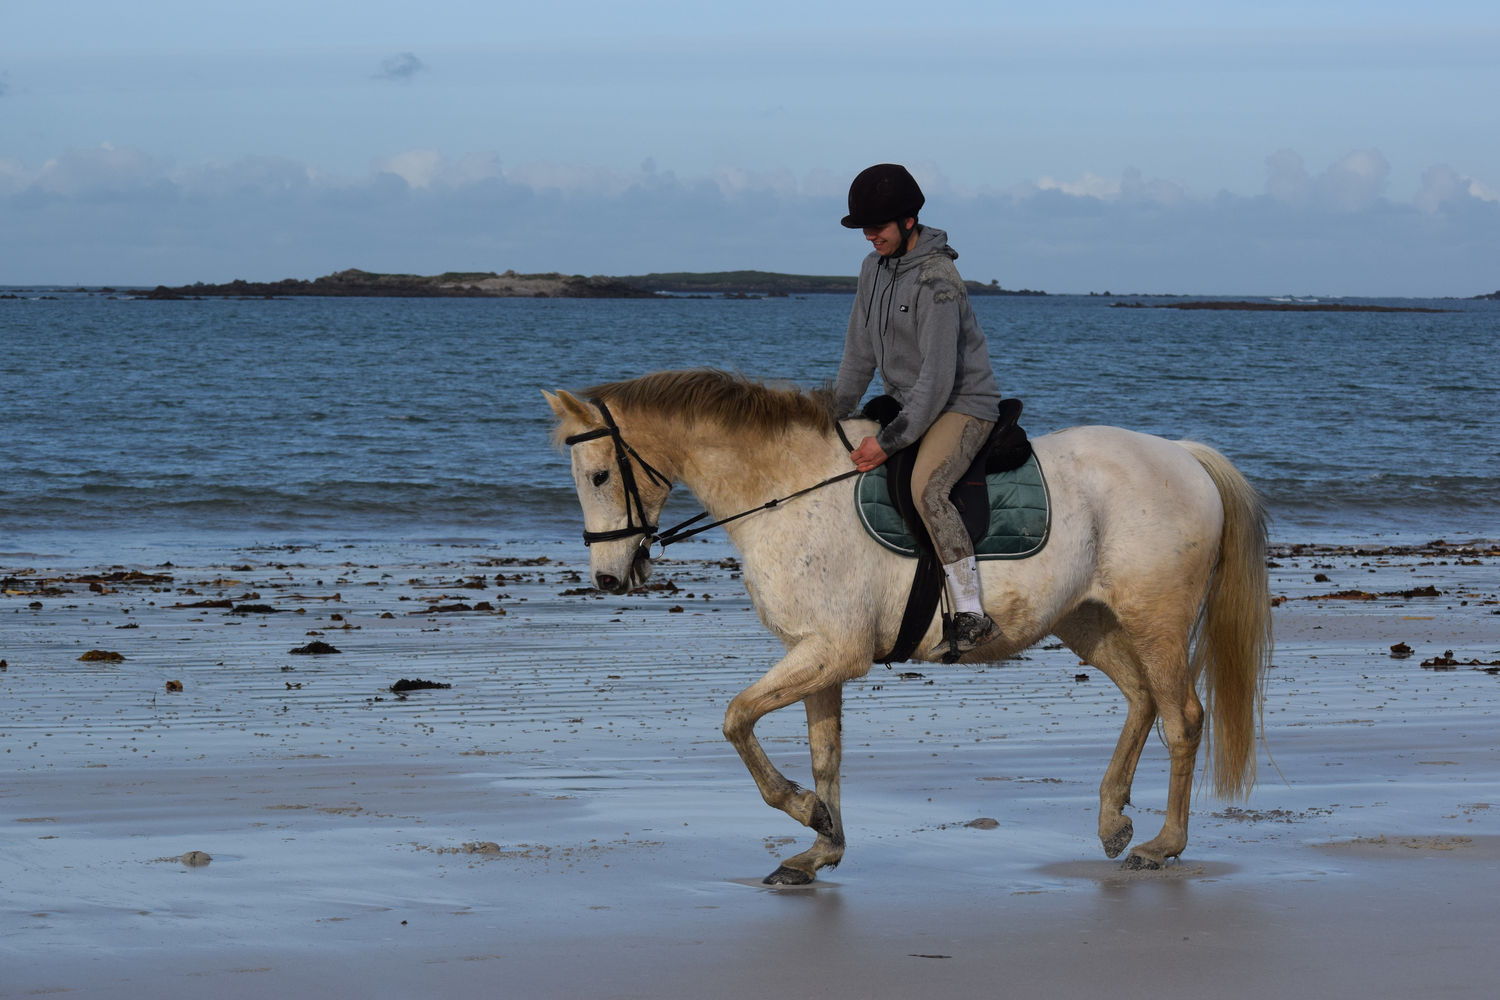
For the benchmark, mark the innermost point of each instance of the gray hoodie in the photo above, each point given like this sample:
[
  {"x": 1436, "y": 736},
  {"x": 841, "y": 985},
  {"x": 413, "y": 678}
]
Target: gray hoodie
[{"x": 912, "y": 321}]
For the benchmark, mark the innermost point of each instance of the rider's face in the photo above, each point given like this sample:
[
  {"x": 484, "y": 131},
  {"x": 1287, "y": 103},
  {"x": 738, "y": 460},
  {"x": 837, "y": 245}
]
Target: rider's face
[{"x": 885, "y": 239}]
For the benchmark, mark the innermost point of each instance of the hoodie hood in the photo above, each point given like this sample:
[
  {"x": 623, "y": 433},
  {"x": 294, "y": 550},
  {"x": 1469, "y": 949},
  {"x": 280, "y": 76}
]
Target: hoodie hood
[{"x": 930, "y": 240}]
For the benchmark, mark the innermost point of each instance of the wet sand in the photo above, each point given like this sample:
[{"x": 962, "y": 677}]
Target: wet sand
[{"x": 564, "y": 819}]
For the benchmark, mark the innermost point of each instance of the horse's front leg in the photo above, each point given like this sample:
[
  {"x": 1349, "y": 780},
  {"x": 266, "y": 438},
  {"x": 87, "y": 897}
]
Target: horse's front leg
[
  {"x": 825, "y": 739},
  {"x": 807, "y": 673}
]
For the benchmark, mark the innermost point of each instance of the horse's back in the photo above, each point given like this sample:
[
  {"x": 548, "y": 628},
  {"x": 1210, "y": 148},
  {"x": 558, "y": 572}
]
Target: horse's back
[{"x": 1143, "y": 494}]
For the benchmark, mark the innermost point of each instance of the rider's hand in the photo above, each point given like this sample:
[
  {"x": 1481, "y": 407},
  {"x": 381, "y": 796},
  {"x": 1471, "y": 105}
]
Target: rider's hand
[{"x": 868, "y": 455}]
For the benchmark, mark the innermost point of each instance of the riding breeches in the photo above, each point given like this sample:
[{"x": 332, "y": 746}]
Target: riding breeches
[{"x": 945, "y": 453}]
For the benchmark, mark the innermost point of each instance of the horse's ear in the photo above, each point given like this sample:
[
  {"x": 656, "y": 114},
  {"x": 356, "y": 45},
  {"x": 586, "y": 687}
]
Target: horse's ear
[
  {"x": 572, "y": 413},
  {"x": 566, "y": 406}
]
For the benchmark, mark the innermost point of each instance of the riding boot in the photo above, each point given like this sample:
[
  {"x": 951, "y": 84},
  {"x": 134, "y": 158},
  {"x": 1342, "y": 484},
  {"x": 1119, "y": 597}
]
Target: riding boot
[{"x": 970, "y": 626}]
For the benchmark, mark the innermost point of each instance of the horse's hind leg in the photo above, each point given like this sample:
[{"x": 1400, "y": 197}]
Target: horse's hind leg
[
  {"x": 1096, "y": 636},
  {"x": 1182, "y": 726},
  {"x": 824, "y": 736},
  {"x": 1115, "y": 828}
]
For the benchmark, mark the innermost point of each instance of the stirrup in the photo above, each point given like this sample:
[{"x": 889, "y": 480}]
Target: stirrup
[{"x": 963, "y": 632}]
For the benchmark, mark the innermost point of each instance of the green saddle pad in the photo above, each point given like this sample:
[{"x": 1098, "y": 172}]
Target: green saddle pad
[{"x": 1020, "y": 514}]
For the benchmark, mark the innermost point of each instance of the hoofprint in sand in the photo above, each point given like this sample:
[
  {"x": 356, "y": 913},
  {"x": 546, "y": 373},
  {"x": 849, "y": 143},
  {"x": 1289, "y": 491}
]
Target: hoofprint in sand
[{"x": 208, "y": 812}]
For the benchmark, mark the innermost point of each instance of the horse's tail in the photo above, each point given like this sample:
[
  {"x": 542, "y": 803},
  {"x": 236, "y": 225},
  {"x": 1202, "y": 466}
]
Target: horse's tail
[{"x": 1232, "y": 642}]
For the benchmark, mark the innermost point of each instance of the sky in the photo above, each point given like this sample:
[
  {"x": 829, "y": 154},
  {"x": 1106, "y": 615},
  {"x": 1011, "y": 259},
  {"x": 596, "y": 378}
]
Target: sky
[{"x": 1346, "y": 147}]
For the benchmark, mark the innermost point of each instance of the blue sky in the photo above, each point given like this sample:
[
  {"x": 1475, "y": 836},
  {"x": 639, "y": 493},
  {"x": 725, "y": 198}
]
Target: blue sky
[{"x": 1315, "y": 148}]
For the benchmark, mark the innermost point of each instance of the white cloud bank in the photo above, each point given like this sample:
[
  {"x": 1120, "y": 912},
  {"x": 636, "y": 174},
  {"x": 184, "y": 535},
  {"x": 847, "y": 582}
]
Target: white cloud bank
[{"x": 121, "y": 216}]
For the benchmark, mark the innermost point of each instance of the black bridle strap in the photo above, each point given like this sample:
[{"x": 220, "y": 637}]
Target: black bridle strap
[
  {"x": 848, "y": 445},
  {"x": 634, "y": 506},
  {"x": 677, "y": 532},
  {"x": 612, "y": 429}
]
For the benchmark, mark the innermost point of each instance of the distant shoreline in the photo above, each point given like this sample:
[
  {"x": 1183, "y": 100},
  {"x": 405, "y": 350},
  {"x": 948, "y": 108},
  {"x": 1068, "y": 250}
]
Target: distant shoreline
[
  {"x": 354, "y": 283},
  {"x": 1273, "y": 306},
  {"x": 475, "y": 284}
]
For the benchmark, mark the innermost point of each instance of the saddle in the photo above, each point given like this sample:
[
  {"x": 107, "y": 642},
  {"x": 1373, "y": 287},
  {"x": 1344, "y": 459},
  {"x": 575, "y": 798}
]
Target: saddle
[{"x": 1002, "y": 499}]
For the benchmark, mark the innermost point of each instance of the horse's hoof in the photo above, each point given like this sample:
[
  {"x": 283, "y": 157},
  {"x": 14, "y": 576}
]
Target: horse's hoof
[
  {"x": 787, "y": 876},
  {"x": 1119, "y": 840},
  {"x": 1140, "y": 863}
]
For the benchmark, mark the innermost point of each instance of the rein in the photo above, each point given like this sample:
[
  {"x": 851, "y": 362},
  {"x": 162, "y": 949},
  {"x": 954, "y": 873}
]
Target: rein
[{"x": 676, "y": 533}]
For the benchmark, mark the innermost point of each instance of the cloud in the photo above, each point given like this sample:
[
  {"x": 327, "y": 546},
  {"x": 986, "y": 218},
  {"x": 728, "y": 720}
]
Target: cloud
[
  {"x": 1483, "y": 191},
  {"x": 401, "y": 67},
  {"x": 416, "y": 167},
  {"x": 252, "y": 176},
  {"x": 1352, "y": 183},
  {"x": 13, "y": 176},
  {"x": 1356, "y": 181},
  {"x": 1286, "y": 178},
  {"x": 103, "y": 172},
  {"x": 1088, "y": 186},
  {"x": 1134, "y": 187},
  {"x": 121, "y": 215},
  {"x": 1444, "y": 188},
  {"x": 1131, "y": 186}
]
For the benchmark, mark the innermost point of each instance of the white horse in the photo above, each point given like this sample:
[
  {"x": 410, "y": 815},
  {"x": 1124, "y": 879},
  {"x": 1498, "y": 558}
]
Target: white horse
[{"x": 1154, "y": 572}]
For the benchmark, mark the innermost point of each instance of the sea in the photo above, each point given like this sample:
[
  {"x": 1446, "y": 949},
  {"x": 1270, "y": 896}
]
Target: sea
[{"x": 142, "y": 431}]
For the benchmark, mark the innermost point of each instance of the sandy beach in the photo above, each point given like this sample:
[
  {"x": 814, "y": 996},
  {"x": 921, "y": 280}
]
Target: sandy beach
[{"x": 210, "y": 788}]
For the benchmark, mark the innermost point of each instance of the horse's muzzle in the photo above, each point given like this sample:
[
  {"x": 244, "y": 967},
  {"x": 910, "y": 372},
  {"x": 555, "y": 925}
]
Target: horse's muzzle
[{"x": 639, "y": 573}]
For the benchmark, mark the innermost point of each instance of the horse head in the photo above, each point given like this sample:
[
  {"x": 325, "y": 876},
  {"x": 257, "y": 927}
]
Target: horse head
[{"x": 620, "y": 493}]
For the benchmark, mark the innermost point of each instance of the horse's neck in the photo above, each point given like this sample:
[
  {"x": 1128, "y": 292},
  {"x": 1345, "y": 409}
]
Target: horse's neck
[{"x": 728, "y": 475}]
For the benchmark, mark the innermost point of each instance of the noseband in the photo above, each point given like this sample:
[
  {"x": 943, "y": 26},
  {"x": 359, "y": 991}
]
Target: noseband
[{"x": 634, "y": 506}]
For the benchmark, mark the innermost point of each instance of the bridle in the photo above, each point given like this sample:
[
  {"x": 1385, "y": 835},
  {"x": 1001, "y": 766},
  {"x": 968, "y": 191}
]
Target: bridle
[{"x": 636, "y": 508}]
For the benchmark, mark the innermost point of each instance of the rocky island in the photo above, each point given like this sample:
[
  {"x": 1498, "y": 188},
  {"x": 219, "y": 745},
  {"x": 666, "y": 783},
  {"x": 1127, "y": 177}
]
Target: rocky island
[
  {"x": 1276, "y": 306},
  {"x": 451, "y": 284},
  {"x": 488, "y": 284}
]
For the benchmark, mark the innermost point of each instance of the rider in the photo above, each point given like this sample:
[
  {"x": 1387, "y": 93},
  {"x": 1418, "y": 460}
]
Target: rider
[{"x": 912, "y": 320}]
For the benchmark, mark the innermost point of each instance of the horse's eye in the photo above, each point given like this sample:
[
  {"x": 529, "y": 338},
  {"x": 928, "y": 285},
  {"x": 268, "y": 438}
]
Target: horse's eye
[{"x": 601, "y": 477}]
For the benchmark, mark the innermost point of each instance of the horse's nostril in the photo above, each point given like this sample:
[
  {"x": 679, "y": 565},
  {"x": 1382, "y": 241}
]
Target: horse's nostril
[{"x": 605, "y": 581}]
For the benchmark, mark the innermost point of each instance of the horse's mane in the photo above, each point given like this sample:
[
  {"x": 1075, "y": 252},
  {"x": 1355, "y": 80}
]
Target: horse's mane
[{"x": 724, "y": 398}]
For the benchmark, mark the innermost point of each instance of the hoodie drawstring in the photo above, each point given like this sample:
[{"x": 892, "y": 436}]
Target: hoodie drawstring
[{"x": 887, "y": 300}]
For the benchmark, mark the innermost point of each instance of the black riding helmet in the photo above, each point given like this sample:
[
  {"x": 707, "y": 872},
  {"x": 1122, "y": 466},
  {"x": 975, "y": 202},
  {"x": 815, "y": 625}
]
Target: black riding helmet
[{"x": 881, "y": 194}]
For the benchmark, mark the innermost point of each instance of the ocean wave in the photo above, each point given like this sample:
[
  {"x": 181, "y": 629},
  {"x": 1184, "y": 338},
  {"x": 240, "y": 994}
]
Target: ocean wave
[
  {"x": 435, "y": 417},
  {"x": 385, "y": 504},
  {"x": 1384, "y": 489},
  {"x": 1386, "y": 496}
]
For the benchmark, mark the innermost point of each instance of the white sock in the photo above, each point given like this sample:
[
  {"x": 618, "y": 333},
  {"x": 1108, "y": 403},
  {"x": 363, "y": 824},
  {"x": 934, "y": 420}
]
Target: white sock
[{"x": 963, "y": 585}]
